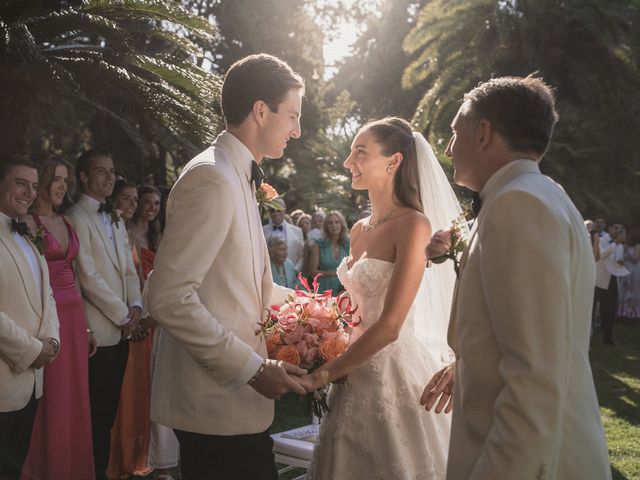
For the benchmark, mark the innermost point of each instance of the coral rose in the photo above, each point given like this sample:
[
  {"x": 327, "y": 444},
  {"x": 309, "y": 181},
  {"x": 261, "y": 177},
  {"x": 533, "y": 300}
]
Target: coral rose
[
  {"x": 333, "y": 345},
  {"x": 289, "y": 354},
  {"x": 268, "y": 191},
  {"x": 272, "y": 341}
]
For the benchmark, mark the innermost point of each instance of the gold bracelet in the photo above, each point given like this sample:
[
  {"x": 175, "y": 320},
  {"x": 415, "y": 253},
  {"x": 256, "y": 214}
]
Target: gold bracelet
[{"x": 255, "y": 377}]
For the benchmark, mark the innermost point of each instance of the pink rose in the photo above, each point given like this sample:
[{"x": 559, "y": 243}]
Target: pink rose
[{"x": 294, "y": 336}]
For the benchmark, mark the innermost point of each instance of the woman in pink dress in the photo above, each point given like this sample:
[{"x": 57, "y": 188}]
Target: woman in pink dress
[{"x": 61, "y": 446}]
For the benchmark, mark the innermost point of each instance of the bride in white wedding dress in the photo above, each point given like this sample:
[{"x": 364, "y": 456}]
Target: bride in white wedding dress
[{"x": 376, "y": 427}]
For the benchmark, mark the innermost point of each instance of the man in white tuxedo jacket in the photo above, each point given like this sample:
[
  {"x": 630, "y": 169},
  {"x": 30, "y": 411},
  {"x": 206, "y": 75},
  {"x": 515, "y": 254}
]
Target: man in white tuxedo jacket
[
  {"x": 609, "y": 267},
  {"x": 110, "y": 291},
  {"x": 29, "y": 337},
  {"x": 524, "y": 404},
  {"x": 292, "y": 235},
  {"x": 212, "y": 283}
]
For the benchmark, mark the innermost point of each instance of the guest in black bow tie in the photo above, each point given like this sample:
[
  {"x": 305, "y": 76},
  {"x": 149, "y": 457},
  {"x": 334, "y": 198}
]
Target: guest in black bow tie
[
  {"x": 28, "y": 319},
  {"x": 110, "y": 290}
]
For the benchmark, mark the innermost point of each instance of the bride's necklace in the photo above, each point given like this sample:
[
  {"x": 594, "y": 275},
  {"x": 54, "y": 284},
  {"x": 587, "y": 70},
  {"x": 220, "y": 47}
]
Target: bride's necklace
[{"x": 369, "y": 227}]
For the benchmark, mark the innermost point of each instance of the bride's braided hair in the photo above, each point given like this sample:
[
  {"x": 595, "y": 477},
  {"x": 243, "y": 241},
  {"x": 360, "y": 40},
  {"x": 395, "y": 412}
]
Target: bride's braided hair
[{"x": 395, "y": 134}]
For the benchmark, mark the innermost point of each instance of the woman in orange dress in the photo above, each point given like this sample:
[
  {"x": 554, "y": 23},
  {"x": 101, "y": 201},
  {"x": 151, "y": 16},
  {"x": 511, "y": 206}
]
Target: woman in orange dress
[{"x": 130, "y": 432}]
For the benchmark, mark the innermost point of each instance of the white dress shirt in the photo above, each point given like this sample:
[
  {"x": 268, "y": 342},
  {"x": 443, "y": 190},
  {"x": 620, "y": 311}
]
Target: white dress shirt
[{"x": 29, "y": 253}]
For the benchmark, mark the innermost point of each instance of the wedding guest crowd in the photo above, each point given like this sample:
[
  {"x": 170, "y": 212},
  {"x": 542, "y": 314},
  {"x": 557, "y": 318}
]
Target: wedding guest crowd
[
  {"x": 617, "y": 290},
  {"x": 83, "y": 273}
]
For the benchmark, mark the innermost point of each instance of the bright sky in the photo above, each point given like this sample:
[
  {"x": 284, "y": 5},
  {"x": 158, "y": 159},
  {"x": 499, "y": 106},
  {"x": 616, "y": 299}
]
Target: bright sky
[{"x": 335, "y": 50}]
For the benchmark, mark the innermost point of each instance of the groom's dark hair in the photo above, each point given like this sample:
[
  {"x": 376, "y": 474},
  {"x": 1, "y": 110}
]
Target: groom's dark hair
[
  {"x": 521, "y": 109},
  {"x": 256, "y": 77}
]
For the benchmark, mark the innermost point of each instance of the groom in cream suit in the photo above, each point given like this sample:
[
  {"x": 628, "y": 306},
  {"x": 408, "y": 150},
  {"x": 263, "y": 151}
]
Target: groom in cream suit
[
  {"x": 110, "y": 290},
  {"x": 29, "y": 337},
  {"x": 524, "y": 402},
  {"x": 212, "y": 282}
]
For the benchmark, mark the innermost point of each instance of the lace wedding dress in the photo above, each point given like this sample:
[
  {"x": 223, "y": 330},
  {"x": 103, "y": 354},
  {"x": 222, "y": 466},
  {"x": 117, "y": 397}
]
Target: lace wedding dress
[{"x": 376, "y": 428}]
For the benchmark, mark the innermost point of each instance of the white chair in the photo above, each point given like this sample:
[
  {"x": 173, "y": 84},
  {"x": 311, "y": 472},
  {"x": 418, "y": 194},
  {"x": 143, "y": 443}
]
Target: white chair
[{"x": 294, "y": 448}]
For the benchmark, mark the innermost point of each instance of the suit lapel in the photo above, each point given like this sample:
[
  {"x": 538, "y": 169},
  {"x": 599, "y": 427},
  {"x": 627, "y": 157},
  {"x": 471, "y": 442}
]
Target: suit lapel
[
  {"x": 451, "y": 332},
  {"x": 120, "y": 252},
  {"x": 26, "y": 275},
  {"x": 253, "y": 219},
  {"x": 99, "y": 226}
]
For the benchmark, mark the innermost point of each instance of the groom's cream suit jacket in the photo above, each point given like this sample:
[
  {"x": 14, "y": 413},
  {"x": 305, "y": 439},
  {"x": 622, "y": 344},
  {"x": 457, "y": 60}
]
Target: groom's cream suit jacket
[
  {"x": 210, "y": 286},
  {"x": 25, "y": 319},
  {"x": 106, "y": 273},
  {"x": 525, "y": 403}
]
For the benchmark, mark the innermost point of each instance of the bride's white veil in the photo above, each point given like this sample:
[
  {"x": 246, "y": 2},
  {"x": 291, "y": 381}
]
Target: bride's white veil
[{"x": 440, "y": 205}]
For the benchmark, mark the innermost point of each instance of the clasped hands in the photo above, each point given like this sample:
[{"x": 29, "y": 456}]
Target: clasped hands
[{"x": 277, "y": 378}]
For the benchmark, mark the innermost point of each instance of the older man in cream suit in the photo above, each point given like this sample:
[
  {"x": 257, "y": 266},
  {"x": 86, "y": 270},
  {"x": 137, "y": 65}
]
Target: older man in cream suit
[
  {"x": 29, "y": 337},
  {"x": 292, "y": 235},
  {"x": 212, "y": 282},
  {"x": 110, "y": 290},
  {"x": 524, "y": 403}
]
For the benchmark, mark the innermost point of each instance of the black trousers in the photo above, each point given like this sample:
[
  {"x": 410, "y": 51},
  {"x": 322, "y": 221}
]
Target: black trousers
[
  {"x": 15, "y": 435},
  {"x": 221, "y": 457},
  {"x": 106, "y": 369},
  {"x": 608, "y": 307}
]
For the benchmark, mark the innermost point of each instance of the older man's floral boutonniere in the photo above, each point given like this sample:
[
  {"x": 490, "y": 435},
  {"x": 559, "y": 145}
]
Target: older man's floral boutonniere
[
  {"x": 266, "y": 197},
  {"x": 38, "y": 239},
  {"x": 457, "y": 242}
]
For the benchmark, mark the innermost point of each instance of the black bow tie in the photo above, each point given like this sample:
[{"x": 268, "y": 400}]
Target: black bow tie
[
  {"x": 257, "y": 175},
  {"x": 19, "y": 227},
  {"x": 278, "y": 227},
  {"x": 105, "y": 207},
  {"x": 476, "y": 203}
]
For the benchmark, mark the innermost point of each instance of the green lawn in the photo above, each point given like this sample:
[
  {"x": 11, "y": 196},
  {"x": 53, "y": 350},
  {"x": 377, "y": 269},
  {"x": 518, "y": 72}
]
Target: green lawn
[{"x": 617, "y": 375}]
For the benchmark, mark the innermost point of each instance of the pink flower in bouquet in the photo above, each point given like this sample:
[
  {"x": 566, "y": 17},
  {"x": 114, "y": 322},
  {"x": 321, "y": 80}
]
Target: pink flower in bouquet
[
  {"x": 289, "y": 354},
  {"x": 287, "y": 319},
  {"x": 323, "y": 325},
  {"x": 320, "y": 311},
  {"x": 294, "y": 336},
  {"x": 333, "y": 345},
  {"x": 308, "y": 349}
]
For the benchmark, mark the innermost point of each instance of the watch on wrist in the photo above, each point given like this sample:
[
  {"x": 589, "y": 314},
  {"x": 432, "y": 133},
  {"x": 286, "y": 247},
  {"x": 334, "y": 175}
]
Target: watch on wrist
[
  {"x": 55, "y": 345},
  {"x": 257, "y": 374}
]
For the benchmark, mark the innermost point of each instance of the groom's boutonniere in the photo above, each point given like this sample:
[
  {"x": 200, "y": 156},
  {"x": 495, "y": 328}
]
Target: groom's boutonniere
[
  {"x": 457, "y": 244},
  {"x": 38, "y": 239},
  {"x": 266, "y": 196}
]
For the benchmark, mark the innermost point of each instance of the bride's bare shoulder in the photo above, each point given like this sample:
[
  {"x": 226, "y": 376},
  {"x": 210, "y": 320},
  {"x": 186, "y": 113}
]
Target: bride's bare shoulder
[{"x": 357, "y": 228}]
